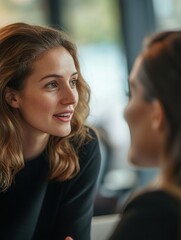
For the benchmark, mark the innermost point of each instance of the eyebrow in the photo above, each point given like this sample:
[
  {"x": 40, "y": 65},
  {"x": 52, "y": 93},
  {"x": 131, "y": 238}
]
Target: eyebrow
[{"x": 56, "y": 76}]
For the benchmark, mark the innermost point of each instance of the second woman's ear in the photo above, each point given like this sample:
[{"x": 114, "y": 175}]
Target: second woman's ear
[{"x": 12, "y": 97}]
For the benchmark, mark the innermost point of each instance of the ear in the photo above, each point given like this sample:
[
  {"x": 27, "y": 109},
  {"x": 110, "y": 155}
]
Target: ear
[
  {"x": 158, "y": 116},
  {"x": 11, "y": 97}
]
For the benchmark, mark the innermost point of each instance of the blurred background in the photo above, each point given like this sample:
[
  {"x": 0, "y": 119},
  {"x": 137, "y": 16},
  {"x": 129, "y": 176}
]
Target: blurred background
[{"x": 109, "y": 35}]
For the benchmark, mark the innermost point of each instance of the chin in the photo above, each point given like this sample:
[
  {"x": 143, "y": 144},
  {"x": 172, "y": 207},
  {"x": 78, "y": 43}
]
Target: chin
[
  {"x": 142, "y": 161},
  {"x": 63, "y": 132}
]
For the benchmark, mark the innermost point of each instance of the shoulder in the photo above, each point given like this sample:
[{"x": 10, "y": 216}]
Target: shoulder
[
  {"x": 90, "y": 144},
  {"x": 155, "y": 199},
  {"x": 89, "y": 152},
  {"x": 156, "y": 207},
  {"x": 93, "y": 136},
  {"x": 151, "y": 215}
]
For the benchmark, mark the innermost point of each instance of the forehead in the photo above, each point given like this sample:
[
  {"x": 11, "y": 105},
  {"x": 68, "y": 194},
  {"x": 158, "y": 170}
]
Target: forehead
[
  {"x": 56, "y": 61},
  {"x": 55, "y": 58},
  {"x": 58, "y": 53}
]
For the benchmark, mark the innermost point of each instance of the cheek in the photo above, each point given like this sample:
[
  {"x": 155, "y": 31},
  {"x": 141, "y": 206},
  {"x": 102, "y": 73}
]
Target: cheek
[
  {"x": 142, "y": 138},
  {"x": 144, "y": 142},
  {"x": 76, "y": 98},
  {"x": 36, "y": 104},
  {"x": 76, "y": 94}
]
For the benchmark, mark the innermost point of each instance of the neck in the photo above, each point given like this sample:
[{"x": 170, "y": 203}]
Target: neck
[
  {"x": 162, "y": 183},
  {"x": 170, "y": 187},
  {"x": 34, "y": 145}
]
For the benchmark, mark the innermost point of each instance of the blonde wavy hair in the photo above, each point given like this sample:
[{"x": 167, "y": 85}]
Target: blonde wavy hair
[{"x": 20, "y": 45}]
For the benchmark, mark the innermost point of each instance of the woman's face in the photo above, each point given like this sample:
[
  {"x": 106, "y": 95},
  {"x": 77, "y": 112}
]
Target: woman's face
[
  {"x": 47, "y": 102},
  {"x": 140, "y": 116}
]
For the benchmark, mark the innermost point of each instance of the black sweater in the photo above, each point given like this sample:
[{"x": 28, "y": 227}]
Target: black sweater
[
  {"x": 35, "y": 209},
  {"x": 150, "y": 216}
]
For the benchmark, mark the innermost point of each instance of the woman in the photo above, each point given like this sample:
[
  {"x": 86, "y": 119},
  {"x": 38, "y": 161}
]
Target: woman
[
  {"x": 154, "y": 118},
  {"x": 49, "y": 158}
]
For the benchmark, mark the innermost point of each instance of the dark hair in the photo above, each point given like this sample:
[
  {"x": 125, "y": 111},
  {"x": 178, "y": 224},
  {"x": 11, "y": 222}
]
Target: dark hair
[
  {"x": 160, "y": 74},
  {"x": 20, "y": 45}
]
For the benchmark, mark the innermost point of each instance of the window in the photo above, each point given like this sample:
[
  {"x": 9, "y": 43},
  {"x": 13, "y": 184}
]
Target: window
[{"x": 167, "y": 14}]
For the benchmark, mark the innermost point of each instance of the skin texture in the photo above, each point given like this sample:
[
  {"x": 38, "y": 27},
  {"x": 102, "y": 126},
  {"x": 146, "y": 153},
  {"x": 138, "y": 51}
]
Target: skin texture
[
  {"x": 48, "y": 92},
  {"x": 145, "y": 120}
]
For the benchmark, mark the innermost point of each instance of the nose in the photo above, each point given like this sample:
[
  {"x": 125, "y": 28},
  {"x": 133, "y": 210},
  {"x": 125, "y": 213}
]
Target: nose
[{"x": 69, "y": 96}]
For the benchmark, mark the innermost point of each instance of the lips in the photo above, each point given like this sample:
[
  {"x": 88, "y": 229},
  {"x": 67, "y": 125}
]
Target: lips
[{"x": 64, "y": 116}]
